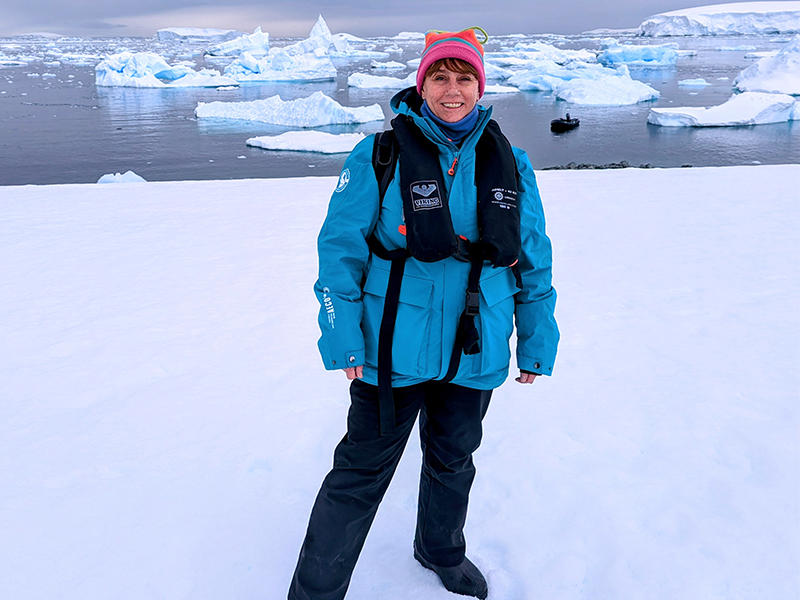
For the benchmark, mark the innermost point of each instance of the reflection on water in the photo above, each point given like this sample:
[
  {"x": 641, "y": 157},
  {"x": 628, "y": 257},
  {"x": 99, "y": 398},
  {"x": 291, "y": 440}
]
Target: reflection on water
[{"x": 64, "y": 129}]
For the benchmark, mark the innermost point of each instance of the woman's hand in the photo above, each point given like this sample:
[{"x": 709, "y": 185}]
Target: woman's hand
[
  {"x": 356, "y": 372},
  {"x": 526, "y": 377}
]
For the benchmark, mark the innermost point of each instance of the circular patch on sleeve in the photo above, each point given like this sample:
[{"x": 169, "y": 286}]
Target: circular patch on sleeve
[{"x": 344, "y": 179}]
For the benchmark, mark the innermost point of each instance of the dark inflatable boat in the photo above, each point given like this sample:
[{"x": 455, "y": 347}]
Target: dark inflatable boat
[{"x": 562, "y": 125}]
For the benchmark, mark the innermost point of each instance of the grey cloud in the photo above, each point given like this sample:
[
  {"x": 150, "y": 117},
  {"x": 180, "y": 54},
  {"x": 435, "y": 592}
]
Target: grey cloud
[{"x": 360, "y": 17}]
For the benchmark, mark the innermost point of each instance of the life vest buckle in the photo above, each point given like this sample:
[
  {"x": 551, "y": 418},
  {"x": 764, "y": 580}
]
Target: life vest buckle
[{"x": 473, "y": 303}]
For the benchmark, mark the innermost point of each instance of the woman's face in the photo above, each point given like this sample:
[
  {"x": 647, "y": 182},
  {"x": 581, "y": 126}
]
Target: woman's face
[{"x": 451, "y": 96}]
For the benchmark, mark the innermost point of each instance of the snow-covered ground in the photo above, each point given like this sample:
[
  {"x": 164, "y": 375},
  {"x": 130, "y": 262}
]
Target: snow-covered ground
[
  {"x": 739, "y": 18},
  {"x": 165, "y": 420}
]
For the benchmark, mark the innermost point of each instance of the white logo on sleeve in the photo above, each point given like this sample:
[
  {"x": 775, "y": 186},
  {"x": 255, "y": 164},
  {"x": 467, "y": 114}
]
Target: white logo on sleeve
[
  {"x": 344, "y": 179},
  {"x": 328, "y": 304}
]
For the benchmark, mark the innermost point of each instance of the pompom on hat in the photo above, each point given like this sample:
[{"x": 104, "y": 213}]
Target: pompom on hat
[{"x": 463, "y": 45}]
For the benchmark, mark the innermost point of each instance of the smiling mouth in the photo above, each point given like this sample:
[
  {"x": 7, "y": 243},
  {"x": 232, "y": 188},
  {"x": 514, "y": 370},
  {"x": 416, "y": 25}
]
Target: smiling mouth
[{"x": 452, "y": 104}]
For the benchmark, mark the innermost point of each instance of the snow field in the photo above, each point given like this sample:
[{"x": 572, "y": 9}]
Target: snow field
[{"x": 166, "y": 420}]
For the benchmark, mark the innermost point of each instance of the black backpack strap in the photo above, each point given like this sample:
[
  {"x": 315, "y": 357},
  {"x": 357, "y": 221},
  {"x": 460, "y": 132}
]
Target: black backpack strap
[
  {"x": 384, "y": 159},
  {"x": 384, "y": 162}
]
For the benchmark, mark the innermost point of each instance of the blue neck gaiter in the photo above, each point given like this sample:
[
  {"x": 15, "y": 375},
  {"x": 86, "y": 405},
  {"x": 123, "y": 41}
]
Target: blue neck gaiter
[{"x": 457, "y": 131}]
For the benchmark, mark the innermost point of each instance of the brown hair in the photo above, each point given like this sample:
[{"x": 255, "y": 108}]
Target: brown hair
[{"x": 452, "y": 64}]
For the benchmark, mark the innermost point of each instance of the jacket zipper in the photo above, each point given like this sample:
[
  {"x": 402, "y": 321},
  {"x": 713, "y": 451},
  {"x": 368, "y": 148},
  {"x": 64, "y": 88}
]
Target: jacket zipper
[{"x": 452, "y": 170}]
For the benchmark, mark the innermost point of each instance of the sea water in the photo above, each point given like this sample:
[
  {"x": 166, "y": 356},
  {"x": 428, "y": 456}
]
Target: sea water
[{"x": 57, "y": 126}]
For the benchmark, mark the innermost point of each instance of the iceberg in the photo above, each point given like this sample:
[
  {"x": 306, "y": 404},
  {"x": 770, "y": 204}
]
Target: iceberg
[
  {"x": 614, "y": 53},
  {"x": 367, "y": 81},
  {"x": 150, "y": 70},
  {"x": 319, "y": 38},
  {"x": 314, "y": 66},
  {"x": 257, "y": 43},
  {"x": 582, "y": 83},
  {"x": 126, "y": 177},
  {"x": 324, "y": 43},
  {"x": 493, "y": 72},
  {"x": 742, "y": 18},
  {"x": 525, "y": 55},
  {"x": 308, "y": 141},
  {"x": 608, "y": 91},
  {"x": 191, "y": 34},
  {"x": 315, "y": 111},
  {"x": 779, "y": 73},
  {"x": 749, "y": 108},
  {"x": 408, "y": 35}
]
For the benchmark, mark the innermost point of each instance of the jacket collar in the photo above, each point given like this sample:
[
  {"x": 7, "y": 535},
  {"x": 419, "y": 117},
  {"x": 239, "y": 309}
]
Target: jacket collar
[{"x": 408, "y": 102}]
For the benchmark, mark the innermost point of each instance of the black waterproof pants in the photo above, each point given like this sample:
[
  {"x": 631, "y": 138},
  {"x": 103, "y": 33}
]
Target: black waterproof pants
[{"x": 363, "y": 465}]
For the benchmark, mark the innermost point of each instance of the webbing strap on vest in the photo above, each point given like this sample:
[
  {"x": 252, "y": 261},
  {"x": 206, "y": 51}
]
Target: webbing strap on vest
[
  {"x": 386, "y": 332},
  {"x": 467, "y": 338}
]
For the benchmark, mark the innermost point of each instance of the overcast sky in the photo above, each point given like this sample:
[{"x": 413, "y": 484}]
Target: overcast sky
[{"x": 296, "y": 17}]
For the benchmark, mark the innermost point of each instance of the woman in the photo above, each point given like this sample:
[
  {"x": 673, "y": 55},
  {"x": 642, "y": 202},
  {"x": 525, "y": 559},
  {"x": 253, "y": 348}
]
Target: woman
[{"x": 420, "y": 281}]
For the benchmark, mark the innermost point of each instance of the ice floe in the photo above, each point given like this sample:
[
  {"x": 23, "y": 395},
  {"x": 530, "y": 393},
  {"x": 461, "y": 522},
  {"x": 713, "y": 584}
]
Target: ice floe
[
  {"x": 192, "y": 34},
  {"x": 126, "y": 177},
  {"x": 314, "y": 111},
  {"x": 779, "y": 73},
  {"x": 150, "y": 70},
  {"x": 749, "y": 108},
  {"x": 734, "y": 48},
  {"x": 693, "y": 82},
  {"x": 308, "y": 141},
  {"x": 389, "y": 65},
  {"x": 367, "y": 81},
  {"x": 742, "y": 18},
  {"x": 499, "y": 89},
  {"x": 764, "y": 54},
  {"x": 639, "y": 55}
]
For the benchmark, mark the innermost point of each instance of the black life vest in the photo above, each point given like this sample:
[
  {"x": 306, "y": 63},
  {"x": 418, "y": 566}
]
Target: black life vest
[{"x": 430, "y": 235}]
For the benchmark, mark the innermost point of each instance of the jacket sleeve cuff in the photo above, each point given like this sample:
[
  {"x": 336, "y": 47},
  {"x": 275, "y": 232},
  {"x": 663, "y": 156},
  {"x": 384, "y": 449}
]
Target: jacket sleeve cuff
[
  {"x": 344, "y": 360},
  {"x": 529, "y": 364}
]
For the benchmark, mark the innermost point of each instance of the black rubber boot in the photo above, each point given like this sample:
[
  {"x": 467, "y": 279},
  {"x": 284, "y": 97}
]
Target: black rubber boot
[{"x": 465, "y": 579}]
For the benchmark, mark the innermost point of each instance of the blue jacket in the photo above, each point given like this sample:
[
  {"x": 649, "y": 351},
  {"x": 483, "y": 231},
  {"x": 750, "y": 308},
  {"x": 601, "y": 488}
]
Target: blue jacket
[{"x": 352, "y": 283}]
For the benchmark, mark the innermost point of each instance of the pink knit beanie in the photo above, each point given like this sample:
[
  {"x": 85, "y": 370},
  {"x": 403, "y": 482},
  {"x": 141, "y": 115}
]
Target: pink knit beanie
[{"x": 448, "y": 44}]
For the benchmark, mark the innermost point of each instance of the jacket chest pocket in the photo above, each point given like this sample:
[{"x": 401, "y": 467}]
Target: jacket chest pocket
[{"x": 410, "y": 343}]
